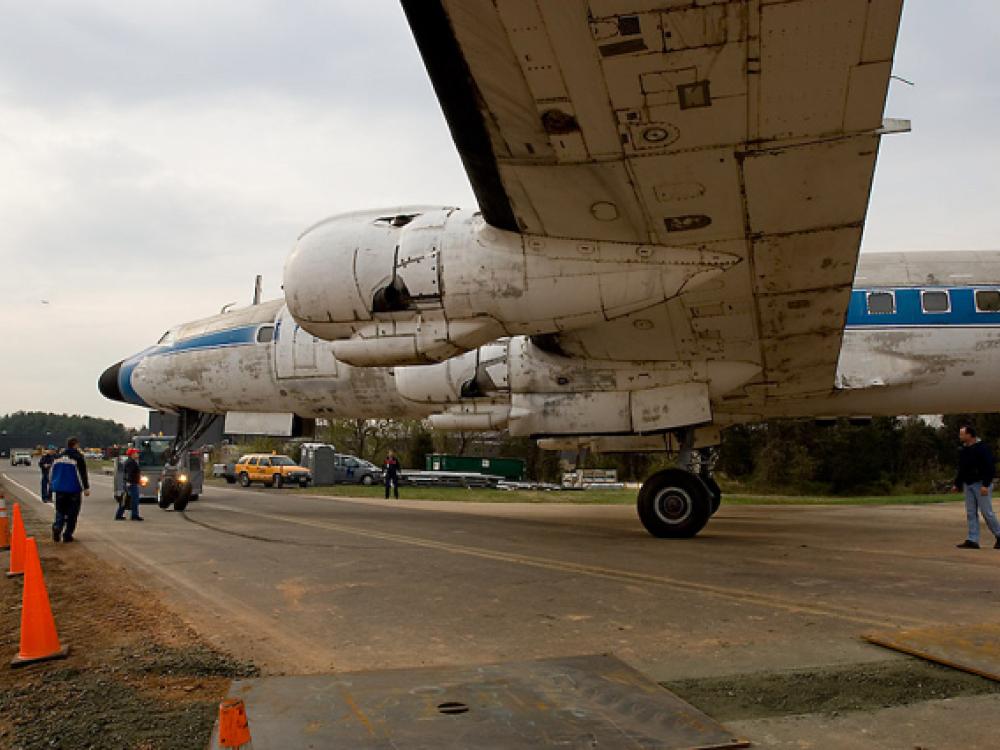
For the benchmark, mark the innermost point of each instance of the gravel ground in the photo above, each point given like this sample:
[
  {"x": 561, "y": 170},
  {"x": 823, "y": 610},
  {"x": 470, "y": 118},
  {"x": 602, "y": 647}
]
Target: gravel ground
[
  {"x": 861, "y": 687},
  {"x": 137, "y": 677}
]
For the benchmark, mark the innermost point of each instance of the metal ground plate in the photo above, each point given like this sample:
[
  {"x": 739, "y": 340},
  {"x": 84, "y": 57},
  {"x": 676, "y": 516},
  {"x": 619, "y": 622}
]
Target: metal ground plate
[
  {"x": 971, "y": 648},
  {"x": 577, "y": 702}
]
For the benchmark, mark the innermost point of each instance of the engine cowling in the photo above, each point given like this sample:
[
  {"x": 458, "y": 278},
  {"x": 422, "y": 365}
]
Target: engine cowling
[{"x": 416, "y": 285}]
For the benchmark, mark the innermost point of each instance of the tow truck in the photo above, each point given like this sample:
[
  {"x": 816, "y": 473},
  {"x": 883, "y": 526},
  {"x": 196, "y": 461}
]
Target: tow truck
[{"x": 168, "y": 476}]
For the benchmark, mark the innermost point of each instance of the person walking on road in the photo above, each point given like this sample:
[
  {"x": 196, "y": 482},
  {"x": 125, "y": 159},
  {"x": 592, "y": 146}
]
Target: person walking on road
[
  {"x": 132, "y": 478},
  {"x": 976, "y": 469},
  {"x": 69, "y": 481},
  {"x": 391, "y": 469},
  {"x": 45, "y": 466}
]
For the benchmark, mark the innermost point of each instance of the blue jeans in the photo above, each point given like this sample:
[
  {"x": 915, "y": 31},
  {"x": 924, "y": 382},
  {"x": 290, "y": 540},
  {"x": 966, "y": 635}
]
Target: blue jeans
[
  {"x": 133, "y": 496},
  {"x": 976, "y": 504},
  {"x": 46, "y": 489}
]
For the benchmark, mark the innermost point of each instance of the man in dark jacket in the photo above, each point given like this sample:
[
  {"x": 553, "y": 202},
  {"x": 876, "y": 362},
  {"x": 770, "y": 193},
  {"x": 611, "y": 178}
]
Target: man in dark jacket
[
  {"x": 132, "y": 478},
  {"x": 45, "y": 466},
  {"x": 69, "y": 480},
  {"x": 391, "y": 469},
  {"x": 976, "y": 469}
]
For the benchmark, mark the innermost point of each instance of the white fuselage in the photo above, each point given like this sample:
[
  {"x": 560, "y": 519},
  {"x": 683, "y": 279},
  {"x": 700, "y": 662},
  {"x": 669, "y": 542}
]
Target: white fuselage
[{"x": 898, "y": 358}]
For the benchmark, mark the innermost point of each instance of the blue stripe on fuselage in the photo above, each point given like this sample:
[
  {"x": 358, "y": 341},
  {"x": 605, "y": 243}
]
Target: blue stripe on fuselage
[
  {"x": 909, "y": 313},
  {"x": 241, "y": 336}
]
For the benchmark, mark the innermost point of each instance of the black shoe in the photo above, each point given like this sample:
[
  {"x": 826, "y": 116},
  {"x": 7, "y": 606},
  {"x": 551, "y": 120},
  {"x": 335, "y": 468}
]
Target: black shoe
[
  {"x": 137, "y": 518},
  {"x": 119, "y": 518},
  {"x": 67, "y": 538},
  {"x": 55, "y": 535},
  {"x": 997, "y": 545},
  {"x": 968, "y": 544}
]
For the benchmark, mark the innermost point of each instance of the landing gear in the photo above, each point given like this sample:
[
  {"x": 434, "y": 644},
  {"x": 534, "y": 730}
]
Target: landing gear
[
  {"x": 676, "y": 503},
  {"x": 178, "y": 473}
]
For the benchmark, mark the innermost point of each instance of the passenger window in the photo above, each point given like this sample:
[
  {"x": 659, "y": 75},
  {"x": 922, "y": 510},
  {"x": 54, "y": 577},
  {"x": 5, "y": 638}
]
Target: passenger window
[
  {"x": 881, "y": 303},
  {"x": 265, "y": 334},
  {"x": 987, "y": 300},
  {"x": 252, "y": 461},
  {"x": 935, "y": 302},
  {"x": 265, "y": 462}
]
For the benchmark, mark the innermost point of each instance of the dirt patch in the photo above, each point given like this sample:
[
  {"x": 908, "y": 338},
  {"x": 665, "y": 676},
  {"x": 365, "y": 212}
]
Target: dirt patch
[
  {"x": 137, "y": 677},
  {"x": 861, "y": 687}
]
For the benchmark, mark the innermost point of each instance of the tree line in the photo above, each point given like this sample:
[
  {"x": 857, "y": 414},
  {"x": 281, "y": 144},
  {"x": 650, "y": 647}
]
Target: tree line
[
  {"x": 880, "y": 456},
  {"x": 27, "y": 429}
]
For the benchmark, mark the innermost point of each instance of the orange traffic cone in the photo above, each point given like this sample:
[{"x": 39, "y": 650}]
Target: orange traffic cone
[
  {"x": 4, "y": 523},
  {"x": 234, "y": 730},
  {"x": 17, "y": 537},
  {"x": 39, "y": 640}
]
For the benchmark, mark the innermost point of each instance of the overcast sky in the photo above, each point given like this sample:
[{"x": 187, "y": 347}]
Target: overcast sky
[{"x": 155, "y": 156}]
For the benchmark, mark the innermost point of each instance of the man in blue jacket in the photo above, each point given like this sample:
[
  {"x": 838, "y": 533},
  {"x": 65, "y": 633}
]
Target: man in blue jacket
[
  {"x": 69, "y": 480},
  {"x": 976, "y": 469}
]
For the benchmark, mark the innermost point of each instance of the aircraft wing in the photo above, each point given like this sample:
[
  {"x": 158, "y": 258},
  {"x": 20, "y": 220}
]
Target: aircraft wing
[{"x": 750, "y": 127}]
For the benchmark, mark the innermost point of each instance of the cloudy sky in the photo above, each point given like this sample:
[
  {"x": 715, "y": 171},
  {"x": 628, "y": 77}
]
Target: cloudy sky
[{"x": 155, "y": 156}]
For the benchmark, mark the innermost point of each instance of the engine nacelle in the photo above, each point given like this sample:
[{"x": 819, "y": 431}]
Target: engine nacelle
[
  {"x": 417, "y": 285},
  {"x": 476, "y": 375}
]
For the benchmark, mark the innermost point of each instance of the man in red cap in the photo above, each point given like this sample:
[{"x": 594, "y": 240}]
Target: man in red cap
[{"x": 132, "y": 477}]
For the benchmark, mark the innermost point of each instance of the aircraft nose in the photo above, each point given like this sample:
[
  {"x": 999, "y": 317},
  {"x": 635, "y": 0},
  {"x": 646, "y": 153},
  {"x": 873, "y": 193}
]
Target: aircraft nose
[{"x": 107, "y": 384}]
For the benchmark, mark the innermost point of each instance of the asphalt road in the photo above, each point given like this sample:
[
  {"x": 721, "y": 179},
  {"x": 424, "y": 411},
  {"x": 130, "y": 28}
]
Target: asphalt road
[{"x": 308, "y": 584}]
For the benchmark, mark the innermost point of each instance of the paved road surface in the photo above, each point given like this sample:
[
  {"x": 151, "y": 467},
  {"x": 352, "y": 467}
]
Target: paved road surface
[{"x": 307, "y": 584}]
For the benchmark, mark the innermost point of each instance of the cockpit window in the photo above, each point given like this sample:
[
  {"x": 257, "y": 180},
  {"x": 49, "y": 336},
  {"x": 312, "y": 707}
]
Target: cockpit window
[
  {"x": 265, "y": 334},
  {"x": 987, "y": 300},
  {"x": 881, "y": 303}
]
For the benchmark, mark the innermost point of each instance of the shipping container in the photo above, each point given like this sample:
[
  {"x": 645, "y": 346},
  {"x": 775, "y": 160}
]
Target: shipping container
[{"x": 508, "y": 468}]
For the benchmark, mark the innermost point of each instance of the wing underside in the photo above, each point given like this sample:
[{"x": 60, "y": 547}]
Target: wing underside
[{"x": 748, "y": 127}]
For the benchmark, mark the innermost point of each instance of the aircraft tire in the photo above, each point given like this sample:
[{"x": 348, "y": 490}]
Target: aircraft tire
[
  {"x": 674, "y": 504},
  {"x": 183, "y": 497},
  {"x": 170, "y": 492},
  {"x": 715, "y": 491}
]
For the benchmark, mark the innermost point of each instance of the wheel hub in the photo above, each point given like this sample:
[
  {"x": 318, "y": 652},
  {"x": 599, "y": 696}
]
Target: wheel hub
[{"x": 673, "y": 505}]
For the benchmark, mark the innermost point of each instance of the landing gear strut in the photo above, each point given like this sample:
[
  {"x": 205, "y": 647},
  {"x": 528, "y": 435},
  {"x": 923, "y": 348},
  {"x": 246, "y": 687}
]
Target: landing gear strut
[
  {"x": 174, "y": 488},
  {"x": 676, "y": 503}
]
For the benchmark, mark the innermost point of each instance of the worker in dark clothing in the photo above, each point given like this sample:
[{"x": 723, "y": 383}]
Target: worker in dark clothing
[
  {"x": 45, "y": 466},
  {"x": 132, "y": 478},
  {"x": 976, "y": 469},
  {"x": 69, "y": 481},
  {"x": 391, "y": 469}
]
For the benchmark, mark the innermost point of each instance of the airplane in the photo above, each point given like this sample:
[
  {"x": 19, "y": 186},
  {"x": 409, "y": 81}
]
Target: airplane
[{"x": 671, "y": 203}]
